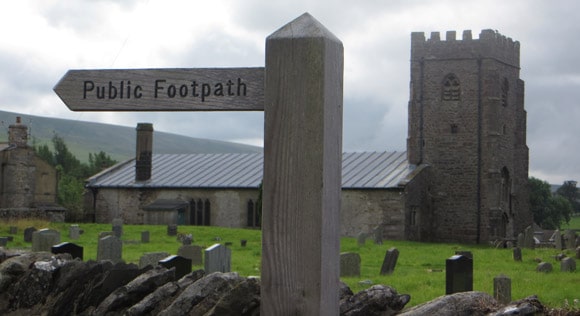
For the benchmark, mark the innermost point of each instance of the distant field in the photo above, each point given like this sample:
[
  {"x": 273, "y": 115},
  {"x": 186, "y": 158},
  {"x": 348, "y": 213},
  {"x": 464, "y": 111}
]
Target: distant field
[
  {"x": 574, "y": 223},
  {"x": 419, "y": 271}
]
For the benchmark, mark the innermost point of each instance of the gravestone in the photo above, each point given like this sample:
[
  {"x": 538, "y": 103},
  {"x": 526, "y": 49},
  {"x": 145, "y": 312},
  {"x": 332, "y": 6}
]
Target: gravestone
[
  {"x": 578, "y": 241},
  {"x": 361, "y": 239},
  {"x": 172, "y": 230},
  {"x": 74, "y": 250},
  {"x": 570, "y": 239},
  {"x": 502, "y": 289},
  {"x": 192, "y": 252},
  {"x": 151, "y": 259},
  {"x": 117, "y": 227},
  {"x": 521, "y": 239},
  {"x": 390, "y": 261},
  {"x": 243, "y": 242},
  {"x": 3, "y": 241},
  {"x": 578, "y": 252},
  {"x": 458, "y": 274},
  {"x": 110, "y": 248},
  {"x": 186, "y": 239},
  {"x": 529, "y": 238},
  {"x": 544, "y": 267},
  {"x": 74, "y": 232},
  {"x": 557, "y": 236},
  {"x": 105, "y": 234},
  {"x": 44, "y": 239},
  {"x": 517, "y": 253},
  {"x": 182, "y": 265},
  {"x": 464, "y": 253},
  {"x": 28, "y": 233},
  {"x": 13, "y": 230},
  {"x": 145, "y": 236},
  {"x": 217, "y": 259},
  {"x": 568, "y": 265},
  {"x": 378, "y": 235},
  {"x": 349, "y": 264}
]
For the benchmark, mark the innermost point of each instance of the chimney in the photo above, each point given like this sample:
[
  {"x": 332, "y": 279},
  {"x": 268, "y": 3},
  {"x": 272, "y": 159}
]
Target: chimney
[
  {"x": 18, "y": 133},
  {"x": 144, "y": 152}
]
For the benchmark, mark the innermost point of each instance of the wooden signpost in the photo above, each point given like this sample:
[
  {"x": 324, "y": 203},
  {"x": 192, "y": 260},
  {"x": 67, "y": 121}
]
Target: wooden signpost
[{"x": 300, "y": 91}]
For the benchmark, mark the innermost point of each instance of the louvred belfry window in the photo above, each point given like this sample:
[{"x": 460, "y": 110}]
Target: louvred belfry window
[{"x": 451, "y": 88}]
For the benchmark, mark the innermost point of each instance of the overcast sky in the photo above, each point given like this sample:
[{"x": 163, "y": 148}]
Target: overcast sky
[{"x": 40, "y": 40}]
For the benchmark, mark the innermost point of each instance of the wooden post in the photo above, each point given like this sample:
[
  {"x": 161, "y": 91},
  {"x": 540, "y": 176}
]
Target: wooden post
[{"x": 302, "y": 170}]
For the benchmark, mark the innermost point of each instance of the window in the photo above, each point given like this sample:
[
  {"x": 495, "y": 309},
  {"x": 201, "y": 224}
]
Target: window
[
  {"x": 454, "y": 129},
  {"x": 451, "y": 88},
  {"x": 505, "y": 88},
  {"x": 253, "y": 219},
  {"x": 200, "y": 212}
]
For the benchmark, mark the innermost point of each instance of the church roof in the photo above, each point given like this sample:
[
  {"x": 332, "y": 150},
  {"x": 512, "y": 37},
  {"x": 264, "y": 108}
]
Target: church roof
[{"x": 360, "y": 170}]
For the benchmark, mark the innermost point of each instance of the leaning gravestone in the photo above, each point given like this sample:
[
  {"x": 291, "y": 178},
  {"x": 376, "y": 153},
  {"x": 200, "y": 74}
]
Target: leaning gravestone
[
  {"x": 390, "y": 261},
  {"x": 349, "y": 264},
  {"x": 557, "y": 236},
  {"x": 151, "y": 259},
  {"x": 517, "y": 253},
  {"x": 192, "y": 252},
  {"x": 117, "y": 227},
  {"x": 182, "y": 265},
  {"x": 458, "y": 274},
  {"x": 502, "y": 289},
  {"x": 217, "y": 259},
  {"x": 28, "y": 234},
  {"x": 568, "y": 265},
  {"x": 44, "y": 239},
  {"x": 110, "y": 248},
  {"x": 74, "y": 232},
  {"x": 74, "y": 250}
]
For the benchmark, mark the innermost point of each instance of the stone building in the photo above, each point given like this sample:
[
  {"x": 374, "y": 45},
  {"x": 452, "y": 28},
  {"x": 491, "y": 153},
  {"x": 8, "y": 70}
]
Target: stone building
[
  {"x": 467, "y": 122},
  {"x": 28, "y": 185},
  {"x": 463, "y": 177}
]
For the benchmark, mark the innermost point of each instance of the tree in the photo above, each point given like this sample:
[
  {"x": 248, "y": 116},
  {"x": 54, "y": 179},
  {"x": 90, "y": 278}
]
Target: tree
[
  {"x": 99, "y": 162},
  {"x": 549, "y": 211},
  {"x": 569, "y": 191}
]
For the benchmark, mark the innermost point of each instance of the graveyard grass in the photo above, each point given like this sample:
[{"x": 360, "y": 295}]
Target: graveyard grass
[{"x": 420, "y": 269}]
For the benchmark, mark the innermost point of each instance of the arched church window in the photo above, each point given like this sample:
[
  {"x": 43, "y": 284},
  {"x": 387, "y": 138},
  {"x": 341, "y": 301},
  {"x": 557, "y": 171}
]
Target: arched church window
[
  {"x": 451, "y": 88},
  {"x": 505, "y": 88}
]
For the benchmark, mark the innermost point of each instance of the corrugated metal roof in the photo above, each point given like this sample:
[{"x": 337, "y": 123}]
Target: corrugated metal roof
[{"x": 366, "y": 170}]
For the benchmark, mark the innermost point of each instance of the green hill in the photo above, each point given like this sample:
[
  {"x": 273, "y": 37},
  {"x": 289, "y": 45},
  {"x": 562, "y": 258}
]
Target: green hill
[{"x": 118, "y": 142}]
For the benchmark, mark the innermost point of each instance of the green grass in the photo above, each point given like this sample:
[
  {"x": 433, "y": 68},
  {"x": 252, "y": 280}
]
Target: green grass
[
  {"x": 420, "y": 269},
  {"x": 573, "y": 224}
]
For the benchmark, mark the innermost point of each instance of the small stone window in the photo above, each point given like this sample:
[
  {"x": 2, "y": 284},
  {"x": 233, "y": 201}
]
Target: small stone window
[
  {"x": 200, "y": 212},
  {"x": 454, "y": 129},
  {"x": 253, "y": 214},
  {"x": 505, "y": 88},
  {"x": 451, "y": 88}
]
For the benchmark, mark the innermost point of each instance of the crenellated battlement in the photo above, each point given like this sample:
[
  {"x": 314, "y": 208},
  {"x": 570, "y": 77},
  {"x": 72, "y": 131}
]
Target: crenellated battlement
[{"x": 490, "y": 44}]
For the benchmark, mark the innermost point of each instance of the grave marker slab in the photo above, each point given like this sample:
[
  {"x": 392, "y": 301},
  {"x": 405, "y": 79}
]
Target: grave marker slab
[
  {"x": 349, "y": 264},
  {"x": 117, "y": 227},
  {"x": 361, "y": 239},
  {"x": 172, "y": 230},
  {"x": 570, "y": 239},
  {"x": 568, "y": 265},
  {"x": 145, "y": 236},
  {"x": 557, "y": 236},
  {"x": 502, "y": 289},
  {"x": 151, "y": 259},
  {"x": 74, "y": 250},
  {"x": 517, "y": 253},
  {"x": 182, "y": 265},
  {"x": 544, "y": 267},
  {"x": 378, "y": 235},
  {"x": 3, "y": 241},
  {"x": 74, "y": 232},
  {"x": 110, "y": 248},
  {"x": 217, "y": 259},
  {"x": 529, "y": 238},
  {"x": 44, "y": 239},
  {"x": 390, "y": 261},
  {"x": 192, "y": 252},
  {"x": 458, "y": 274},
  {"x": 521, "y": 240},
  {"x": 28, "y": 233}
]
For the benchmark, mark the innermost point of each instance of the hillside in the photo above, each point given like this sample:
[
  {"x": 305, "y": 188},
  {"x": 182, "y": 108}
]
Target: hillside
[{"x": 84, "y": 137}]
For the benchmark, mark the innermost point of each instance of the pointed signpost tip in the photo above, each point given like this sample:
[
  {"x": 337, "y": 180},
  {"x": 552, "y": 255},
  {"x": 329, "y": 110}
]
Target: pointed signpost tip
[{"x": 304, "y": 26}]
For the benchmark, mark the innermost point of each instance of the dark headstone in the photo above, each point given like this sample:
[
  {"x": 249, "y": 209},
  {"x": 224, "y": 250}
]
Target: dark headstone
[
  {"x": 502, "y": 289},
  {"x": 192, "y": 252},
  {"x": 145, "y": 236},
  {"x": 28, "y": 234},
  {"x": 172, "y": 230},
  {"x": 390, "y": 261},
  {"x": 217, "y": 259},
  {"x": 568, "y": 265},
  {"x": 13, "y": 230},
  {"x": 459, "y": 274},
  {"x": 349, "y": 264},
  {"x": 74, "y": 250},
  {"x": 3, "y": 241},
  {"x": 182, "y": 265},
  {"x": 517, "y": 254},
  {"x": 243, "y": 242},
  {"x": 464, "y": 253},
  {"x": 544, "y": 267}
]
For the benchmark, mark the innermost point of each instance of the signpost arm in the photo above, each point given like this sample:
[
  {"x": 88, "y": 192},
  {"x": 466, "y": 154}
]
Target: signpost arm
[{"x": 302, "y": 170}]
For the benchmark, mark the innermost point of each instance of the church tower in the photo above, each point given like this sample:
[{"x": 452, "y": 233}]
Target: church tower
[{"x": 467, "y": 122}]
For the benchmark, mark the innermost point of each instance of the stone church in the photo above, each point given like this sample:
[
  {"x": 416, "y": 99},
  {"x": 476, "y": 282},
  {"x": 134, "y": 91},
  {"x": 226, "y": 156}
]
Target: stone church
[
  {"x": 463, "y": 177},
  {"x": 28, "y": 184}
]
